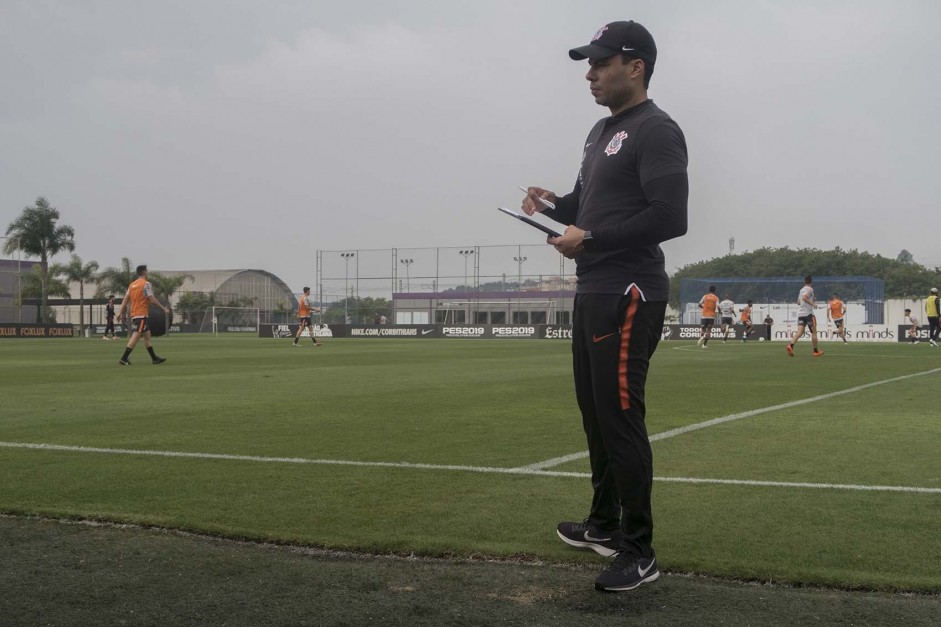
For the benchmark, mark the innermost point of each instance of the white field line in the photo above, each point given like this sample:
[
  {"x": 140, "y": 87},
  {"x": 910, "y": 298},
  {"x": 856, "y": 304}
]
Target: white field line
[
  {"x": 476, "y": 469},
  {"x": 557, "y": 461}
]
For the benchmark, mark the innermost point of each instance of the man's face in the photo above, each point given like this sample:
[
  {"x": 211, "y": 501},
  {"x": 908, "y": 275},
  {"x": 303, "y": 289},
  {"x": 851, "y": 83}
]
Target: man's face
[{"x": 613, "y": 81}]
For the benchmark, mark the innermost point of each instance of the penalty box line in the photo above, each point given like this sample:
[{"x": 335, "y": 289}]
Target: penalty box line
[
  {"x": 476, "y": 469},
  {"x": 558, "y": 461}
]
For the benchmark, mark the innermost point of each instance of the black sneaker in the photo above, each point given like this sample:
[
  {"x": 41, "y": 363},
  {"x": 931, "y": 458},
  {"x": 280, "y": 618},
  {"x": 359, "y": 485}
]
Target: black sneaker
[
  {"x": 627, "y": 572},
  {"x": 159, "y": 360},
  {"x": 124, "y": 362},
  {"x": 584, "y": 536}
]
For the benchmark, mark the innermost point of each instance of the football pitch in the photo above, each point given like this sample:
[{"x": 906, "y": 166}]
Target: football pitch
[{"x": 805, "y": 471}]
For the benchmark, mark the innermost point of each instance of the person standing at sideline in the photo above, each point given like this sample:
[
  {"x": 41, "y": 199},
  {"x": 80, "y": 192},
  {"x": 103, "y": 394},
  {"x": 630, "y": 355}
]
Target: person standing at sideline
[
  {"x": 109, "y": 318},
  {"x": 727, "y": 316},
  {"x": 139, "y": 298},
  {"x": 837, "y": 313},
  {"x": 709, "y": 303},
  {"x": 768, "y": 322},
  {"x": 911, "y": 319},
  {"x": 932, "y": 308},
  {"x": 304, "y": 311},
  {"x": 630, "y": 195},
  {"x": 805, "y": 317}
]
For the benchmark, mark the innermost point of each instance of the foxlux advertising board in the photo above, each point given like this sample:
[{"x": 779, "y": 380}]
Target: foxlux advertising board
[{"x": 11, "y": 330}]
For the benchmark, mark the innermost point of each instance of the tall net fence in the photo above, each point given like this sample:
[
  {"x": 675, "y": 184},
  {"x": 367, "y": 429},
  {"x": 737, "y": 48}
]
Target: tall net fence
[
  {"x": 864, "y": 296},
  {"x": 349, "y": 278}
]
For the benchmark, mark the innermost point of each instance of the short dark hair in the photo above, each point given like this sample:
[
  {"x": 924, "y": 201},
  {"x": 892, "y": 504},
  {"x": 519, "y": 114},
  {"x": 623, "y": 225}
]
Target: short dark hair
[
  {"x": 808, "y": 279},
  {"x": 110, "y": 295},
  {"x": 908, "y": 311},
  {"x": 648, "y": 68},
  {"x": 307, "y": 290},
  {"x": 712, "y": 288},
  {"x": 141, "y": 269}
]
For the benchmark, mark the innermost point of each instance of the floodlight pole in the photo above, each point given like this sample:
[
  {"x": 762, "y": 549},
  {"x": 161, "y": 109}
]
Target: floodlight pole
[
  {"x": 465, "y": 254},
  {"x": 519, "y": 284},
  {"x": 407, "y": 263},
  {"x": 346, "y": 287}
]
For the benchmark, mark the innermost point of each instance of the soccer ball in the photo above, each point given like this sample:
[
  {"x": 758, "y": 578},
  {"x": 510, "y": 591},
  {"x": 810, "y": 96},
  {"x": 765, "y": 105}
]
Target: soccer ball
[{"x": 761, "y": 339}]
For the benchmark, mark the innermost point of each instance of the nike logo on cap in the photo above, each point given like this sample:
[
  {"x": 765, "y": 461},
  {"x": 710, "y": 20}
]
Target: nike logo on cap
[{"x": 626, "y": 49}]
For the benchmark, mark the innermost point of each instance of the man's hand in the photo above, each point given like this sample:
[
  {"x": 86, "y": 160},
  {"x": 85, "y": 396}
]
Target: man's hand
[
  {"x": 531, "y": 204},
  {"x": 570, "y": 242}
]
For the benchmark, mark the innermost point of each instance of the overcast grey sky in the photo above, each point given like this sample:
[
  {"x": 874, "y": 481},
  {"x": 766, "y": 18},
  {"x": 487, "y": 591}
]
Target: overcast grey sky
[{"x": 250, "y": 134}]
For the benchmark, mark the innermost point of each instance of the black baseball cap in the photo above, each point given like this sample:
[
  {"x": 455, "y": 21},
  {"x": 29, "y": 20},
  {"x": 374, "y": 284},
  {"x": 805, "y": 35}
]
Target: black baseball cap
[{"x": 619, "y": 38}]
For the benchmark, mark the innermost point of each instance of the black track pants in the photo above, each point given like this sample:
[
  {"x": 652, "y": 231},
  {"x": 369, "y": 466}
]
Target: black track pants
[{"x": 613, "y": 339}]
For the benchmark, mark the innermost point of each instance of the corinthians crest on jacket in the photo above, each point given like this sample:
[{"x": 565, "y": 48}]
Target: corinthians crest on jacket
[{"x": 615, "y": 144}]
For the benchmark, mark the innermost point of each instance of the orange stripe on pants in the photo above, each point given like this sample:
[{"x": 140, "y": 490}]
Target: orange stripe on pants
[{"x": 625, "y": 342}]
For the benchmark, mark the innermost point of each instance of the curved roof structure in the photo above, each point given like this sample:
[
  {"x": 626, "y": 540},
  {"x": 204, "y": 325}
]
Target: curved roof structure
[{"x": 244, "y": 288}]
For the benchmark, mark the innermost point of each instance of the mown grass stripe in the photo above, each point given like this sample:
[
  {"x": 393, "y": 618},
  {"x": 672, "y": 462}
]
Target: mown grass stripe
[{"x": 557, "y": 461}]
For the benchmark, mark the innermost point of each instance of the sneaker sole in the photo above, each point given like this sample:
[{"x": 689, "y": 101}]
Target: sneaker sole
[
  {"x": 648, "y": 579},
  {"x": 597, "y": 548}
]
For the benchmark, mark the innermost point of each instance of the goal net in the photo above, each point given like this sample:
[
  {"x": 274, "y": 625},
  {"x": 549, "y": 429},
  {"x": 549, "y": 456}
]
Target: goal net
[{"x": 231, "y": 320}]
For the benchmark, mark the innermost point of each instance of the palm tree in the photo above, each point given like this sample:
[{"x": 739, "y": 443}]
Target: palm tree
[
  {"x": 77, "y": 272},
  {"x": 31, "y": 286},
  {"x": 36, "y": 234},
  {"x": 165, "y": 286},
  {"x": 116, "y": 280}
]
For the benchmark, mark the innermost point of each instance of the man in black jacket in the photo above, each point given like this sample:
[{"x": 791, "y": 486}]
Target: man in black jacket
[{"x": 630, "y": 195}]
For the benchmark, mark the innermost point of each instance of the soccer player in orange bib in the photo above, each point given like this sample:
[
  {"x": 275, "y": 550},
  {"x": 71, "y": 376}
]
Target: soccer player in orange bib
[
  {"x": 303, "y": 314},
  {"x": 139, "y": 297},
  {"x": 746, "y": 320},
  {"x": 836, "y": 311},
  {"x": 708, "y": 303}
]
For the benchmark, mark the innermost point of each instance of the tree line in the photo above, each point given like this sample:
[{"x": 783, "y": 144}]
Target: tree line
[{"x": 902, "y": 276}]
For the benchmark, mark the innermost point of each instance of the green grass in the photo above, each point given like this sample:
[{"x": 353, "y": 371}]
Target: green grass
[
  {"x": 79, "y": 574},
  {"x": 486, "y": 404}
]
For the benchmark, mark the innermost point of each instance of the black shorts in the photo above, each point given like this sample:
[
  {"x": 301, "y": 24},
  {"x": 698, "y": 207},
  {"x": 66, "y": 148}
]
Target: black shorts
[
  {"x": 728, "y": 321},
  {"x": 838, "y": 323},
  {"x": 808, "y": 321},
  {"x": 708, "y": 322},
  {"x": 139, "y": 325},
  {"x": 304, "y": 322}
]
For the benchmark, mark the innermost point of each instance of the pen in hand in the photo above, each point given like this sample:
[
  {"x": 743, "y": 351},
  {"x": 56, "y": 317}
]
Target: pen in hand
[{"x": 541, "y": 199}]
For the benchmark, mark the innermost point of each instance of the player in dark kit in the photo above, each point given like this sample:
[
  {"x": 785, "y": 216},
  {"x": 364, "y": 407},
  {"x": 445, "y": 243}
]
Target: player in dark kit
[
  {"x": 630, "y": 195},
  {"x": 109, "y": 316}
]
